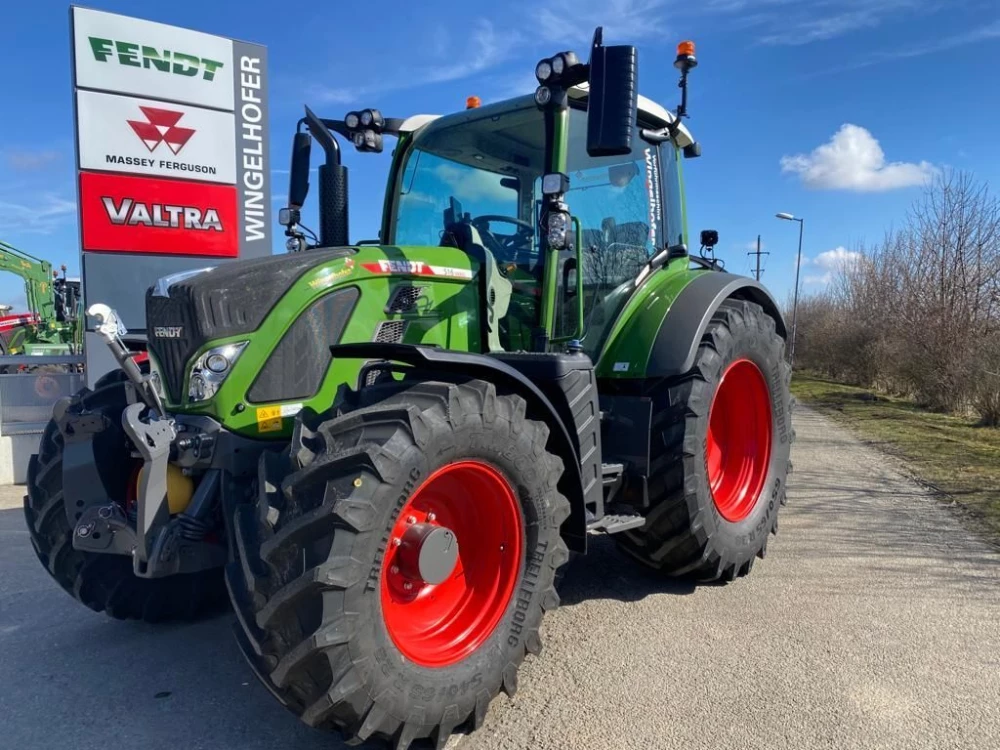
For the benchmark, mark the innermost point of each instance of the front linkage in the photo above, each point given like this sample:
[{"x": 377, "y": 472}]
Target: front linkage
[{"x": 165, "y": 451}]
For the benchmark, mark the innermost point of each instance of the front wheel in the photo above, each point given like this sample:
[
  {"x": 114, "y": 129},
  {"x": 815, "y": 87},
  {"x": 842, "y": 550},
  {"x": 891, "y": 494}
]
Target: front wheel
[
  {"x": 398, "y": 563},
  {"x": 721, "y": 440}
]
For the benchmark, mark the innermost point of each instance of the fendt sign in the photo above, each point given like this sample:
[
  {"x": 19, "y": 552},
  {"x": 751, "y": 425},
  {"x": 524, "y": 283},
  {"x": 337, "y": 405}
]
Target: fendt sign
[{"x": 171, "y": 150}]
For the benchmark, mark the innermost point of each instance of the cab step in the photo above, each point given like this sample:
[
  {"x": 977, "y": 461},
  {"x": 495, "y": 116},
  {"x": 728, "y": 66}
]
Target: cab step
[{"x": 615, "y": 523}]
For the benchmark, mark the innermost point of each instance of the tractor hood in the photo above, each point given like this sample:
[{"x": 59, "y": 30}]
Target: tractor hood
[{"x": 294, "y": 306}]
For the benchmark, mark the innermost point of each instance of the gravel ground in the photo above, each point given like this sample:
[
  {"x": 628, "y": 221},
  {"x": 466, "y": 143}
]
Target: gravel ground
[{"x": 874, "y": 622}]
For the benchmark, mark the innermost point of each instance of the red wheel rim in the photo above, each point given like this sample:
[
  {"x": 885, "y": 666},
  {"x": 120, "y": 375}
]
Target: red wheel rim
[
  {"x": 738, "y": 449},
  {"x": 436, "y": 625}
]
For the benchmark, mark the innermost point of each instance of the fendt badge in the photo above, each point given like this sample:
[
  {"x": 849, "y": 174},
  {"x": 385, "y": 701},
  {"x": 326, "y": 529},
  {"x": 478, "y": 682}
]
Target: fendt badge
[{"x": 168, "y": 332}]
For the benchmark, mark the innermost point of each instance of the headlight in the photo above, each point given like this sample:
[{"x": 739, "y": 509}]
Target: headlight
[
  {"x": 211, "y": 369},
  {"x": 558, "y": 64},
  {"x": 543, "y": 71},
  {"x": 352, "y": 120},
  {"x": 543, "y": 95},
  {"x": 558, "y": 226}
]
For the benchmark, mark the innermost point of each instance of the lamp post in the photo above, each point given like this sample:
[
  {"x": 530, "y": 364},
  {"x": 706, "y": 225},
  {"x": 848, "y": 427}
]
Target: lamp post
[{"x": 798, "y": 267}]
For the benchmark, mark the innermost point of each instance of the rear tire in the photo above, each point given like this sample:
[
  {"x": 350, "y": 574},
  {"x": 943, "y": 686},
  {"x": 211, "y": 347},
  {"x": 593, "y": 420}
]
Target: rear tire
[
  {"x": 316, "y": 589},
  {"x": 105, "y": 583},
  {"x": 715, "y": 495}
]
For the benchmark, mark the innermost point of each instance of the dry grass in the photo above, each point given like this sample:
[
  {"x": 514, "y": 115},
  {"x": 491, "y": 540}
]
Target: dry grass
[{"x": 951, "y": 454}]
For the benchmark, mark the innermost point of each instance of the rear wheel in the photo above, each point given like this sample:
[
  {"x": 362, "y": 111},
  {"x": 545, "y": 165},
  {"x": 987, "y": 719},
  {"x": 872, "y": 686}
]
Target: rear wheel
[
  {"x": 399, "y": 561},
  {"x": 105, "y": 582},
  {"x": 721, "y": 441}
]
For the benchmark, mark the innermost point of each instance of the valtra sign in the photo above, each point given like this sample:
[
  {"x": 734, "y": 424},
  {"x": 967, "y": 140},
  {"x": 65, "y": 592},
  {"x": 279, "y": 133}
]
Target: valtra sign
[
  {"x": 166, "y": 216},
  {"x": 143, "y": 136}
]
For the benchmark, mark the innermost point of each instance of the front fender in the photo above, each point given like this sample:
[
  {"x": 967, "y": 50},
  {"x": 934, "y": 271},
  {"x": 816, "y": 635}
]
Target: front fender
[{"x": 445, "y": 363}]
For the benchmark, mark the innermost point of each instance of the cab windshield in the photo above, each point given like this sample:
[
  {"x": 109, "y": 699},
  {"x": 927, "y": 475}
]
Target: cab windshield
[{"x": 473, "y": 181}]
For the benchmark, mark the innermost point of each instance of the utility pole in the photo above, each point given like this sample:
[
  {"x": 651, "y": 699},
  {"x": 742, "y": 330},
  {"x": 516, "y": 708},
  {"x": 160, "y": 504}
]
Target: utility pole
[{"x": 758, "y": 253}]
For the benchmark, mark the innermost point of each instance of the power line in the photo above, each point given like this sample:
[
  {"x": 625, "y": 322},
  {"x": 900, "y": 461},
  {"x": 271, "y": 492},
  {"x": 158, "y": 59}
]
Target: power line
[{"x": 758, "y": 253}]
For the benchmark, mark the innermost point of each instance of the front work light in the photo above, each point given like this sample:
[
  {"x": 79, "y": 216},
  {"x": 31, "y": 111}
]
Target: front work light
[
  {"x": 543, "y": 71},
  {"x": 543, "y": 95}
]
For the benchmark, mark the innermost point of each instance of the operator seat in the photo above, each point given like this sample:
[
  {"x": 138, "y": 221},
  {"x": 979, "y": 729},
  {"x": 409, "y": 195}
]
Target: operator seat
[{"x": 496, "y": 286}]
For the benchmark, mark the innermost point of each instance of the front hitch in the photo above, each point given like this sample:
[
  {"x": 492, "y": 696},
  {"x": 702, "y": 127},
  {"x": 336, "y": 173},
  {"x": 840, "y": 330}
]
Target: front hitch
[{"x": 159, "y": 545}]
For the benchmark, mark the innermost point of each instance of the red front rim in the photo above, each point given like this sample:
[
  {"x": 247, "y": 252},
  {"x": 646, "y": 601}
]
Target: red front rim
[
  {"x": 738, "y": 449},
  {"x": 436, "y": 625}
]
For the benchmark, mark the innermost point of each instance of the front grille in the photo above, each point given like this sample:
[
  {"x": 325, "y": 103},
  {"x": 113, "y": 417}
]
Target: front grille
[
  {"x": 405, "y": 298},
  {"x": 390, "y": 331},
  {"x": 172, "y": 315}
]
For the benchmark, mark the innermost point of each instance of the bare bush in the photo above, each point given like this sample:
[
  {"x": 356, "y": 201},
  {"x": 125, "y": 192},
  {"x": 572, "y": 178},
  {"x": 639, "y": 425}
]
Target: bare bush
[{"x": 919, "y": 312}]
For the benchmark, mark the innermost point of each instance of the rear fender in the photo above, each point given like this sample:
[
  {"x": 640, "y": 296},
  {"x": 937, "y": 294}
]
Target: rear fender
[
  {"x": 452, "y": 363},
  {"x": 676, "y": 343}
]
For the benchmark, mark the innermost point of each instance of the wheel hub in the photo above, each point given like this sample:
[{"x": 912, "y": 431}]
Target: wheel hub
[{"x": 428, "y": 553}]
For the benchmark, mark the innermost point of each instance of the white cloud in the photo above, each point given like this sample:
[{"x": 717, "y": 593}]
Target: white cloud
[
  {"x": 920, "y": 49},
  {"x": 794, "y": 23},
  {"x": 624, "y": 21},
  {"x": 30, "y": 160},
  {"x": 485, "y": 48},
  {"x": 751, "y": 246},
  {"x": 828, "y": 263},
  {"x": 40, "y": 216},
  {"x": 853, "y": 160}
]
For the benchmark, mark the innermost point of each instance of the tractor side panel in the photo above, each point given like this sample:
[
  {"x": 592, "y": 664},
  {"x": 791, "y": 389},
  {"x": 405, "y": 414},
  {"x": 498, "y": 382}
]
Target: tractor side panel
[{"x": 383, "y": 294}]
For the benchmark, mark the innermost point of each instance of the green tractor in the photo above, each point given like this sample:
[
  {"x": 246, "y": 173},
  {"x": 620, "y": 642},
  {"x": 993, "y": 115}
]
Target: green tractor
[{"x": 386, "y": 450}]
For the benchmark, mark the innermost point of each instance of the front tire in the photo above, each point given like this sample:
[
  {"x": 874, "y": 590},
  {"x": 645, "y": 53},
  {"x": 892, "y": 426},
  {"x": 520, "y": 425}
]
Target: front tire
[
  {"x": 721, "y": 440},
  {"x": 342, "y": 626}
]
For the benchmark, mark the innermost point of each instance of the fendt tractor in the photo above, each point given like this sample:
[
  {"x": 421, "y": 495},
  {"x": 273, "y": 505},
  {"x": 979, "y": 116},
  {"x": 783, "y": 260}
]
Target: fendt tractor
[{"x": 387, "y": 449}]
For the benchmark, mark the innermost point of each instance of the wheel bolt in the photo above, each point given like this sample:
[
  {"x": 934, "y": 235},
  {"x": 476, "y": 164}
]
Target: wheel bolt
[
  {"x": 431, "y": 516},
  {"x": 411, "y": 519},
  {"x": 83, "y": 531},
  {"x": 394, "y": 570},
  {"x": 396, "y": 541},
  {"x": 407, "y": 585}
]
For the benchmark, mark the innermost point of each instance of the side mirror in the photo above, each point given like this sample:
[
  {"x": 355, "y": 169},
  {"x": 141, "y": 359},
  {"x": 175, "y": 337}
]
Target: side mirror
[
  {"x": 298, "y": 178},
  {"x": 613, "y": 98},
  {"x": 709, "y": 237}
]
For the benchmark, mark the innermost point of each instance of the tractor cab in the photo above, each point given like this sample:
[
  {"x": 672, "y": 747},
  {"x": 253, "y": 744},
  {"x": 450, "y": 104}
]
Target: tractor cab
[{"x": 474, "y": 180}]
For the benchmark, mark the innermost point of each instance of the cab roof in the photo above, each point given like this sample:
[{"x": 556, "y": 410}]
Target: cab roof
[{"x": 649, "y": 111}]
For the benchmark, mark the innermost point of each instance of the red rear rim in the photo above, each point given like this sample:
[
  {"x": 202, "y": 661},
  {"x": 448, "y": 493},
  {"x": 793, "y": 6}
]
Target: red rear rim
[
  {"x": 436, "y": 625},
  {"x": 738, "y": 450}
]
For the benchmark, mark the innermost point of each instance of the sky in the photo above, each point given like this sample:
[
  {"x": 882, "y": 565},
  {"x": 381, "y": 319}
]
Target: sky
[{"x": 837, "y": 111}]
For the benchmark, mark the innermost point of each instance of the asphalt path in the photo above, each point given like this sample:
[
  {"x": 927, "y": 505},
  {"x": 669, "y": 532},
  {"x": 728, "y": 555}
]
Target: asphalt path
[{"x": 874, "y": 622}]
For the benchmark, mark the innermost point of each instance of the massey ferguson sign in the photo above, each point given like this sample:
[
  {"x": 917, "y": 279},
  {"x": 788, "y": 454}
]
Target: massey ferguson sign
[
  {"x": 172, "y": 134},
  {"x": 142, "y": 136}
]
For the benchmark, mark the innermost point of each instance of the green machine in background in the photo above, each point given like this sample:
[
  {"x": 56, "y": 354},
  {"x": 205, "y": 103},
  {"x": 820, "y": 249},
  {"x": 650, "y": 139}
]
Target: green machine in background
[
  {"x": 386, "y": 450},
  {"x": 52, "y": 324}
]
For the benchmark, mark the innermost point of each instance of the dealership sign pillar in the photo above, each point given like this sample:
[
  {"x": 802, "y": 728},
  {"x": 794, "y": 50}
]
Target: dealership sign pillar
[{"x": 172, "y": 158}]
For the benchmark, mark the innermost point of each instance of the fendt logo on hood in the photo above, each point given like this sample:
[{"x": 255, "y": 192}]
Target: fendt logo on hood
[
  {"x": 168, "y": 332},
  {"x": 161, "y": 127},
  {"x": 133, "y": 213},
  {"x": 142, "y": 56}
]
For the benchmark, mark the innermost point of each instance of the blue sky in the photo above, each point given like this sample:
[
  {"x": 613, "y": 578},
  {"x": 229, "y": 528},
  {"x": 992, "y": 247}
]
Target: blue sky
[{"x": 835, "y": 110}]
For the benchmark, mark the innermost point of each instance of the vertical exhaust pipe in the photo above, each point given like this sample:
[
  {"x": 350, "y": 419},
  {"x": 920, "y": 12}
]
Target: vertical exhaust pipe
[{"x": 333, "y": 228}]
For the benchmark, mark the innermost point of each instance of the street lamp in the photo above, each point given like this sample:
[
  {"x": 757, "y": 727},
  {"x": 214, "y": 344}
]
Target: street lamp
[{"x": 798, "y": 267}]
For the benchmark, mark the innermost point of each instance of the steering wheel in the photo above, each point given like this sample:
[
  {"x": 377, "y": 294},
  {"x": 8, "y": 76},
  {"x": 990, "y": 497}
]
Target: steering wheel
[{"x": 505, "y": 247}]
